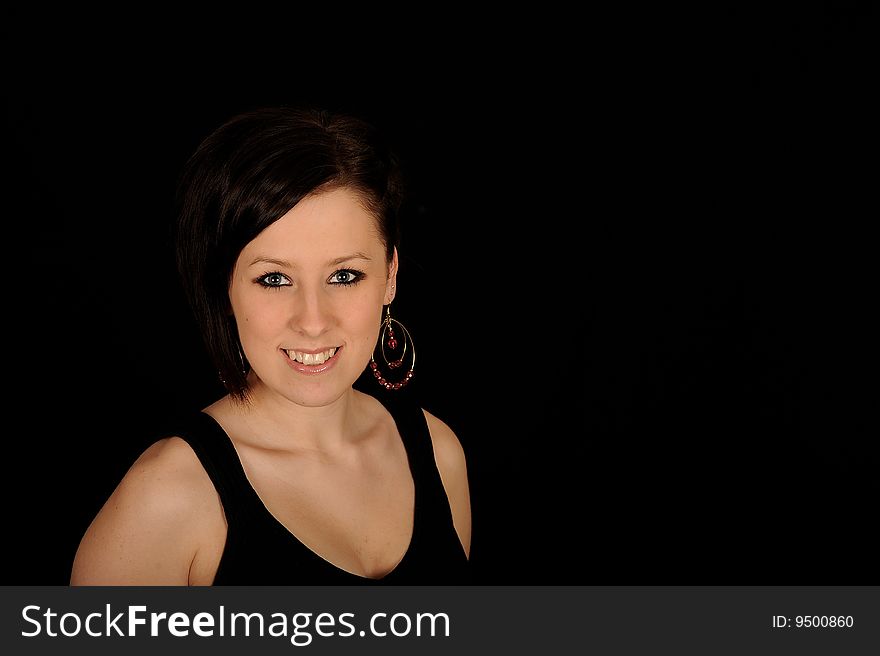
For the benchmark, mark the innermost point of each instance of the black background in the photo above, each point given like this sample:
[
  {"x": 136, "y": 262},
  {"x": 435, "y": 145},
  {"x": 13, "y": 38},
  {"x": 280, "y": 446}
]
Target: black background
[{"x": 635, "y": 265}]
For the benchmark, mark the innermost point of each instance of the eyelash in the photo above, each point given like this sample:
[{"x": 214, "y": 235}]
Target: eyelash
[{"x": 358, "y": 276}]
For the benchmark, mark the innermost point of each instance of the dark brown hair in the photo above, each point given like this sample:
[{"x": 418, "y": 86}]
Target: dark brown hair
[{"x": 248, "y": 174}]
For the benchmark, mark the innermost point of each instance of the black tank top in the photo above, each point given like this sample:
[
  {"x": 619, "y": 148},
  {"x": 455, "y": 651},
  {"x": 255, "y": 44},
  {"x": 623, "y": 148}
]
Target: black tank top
[{"x": 260, "y": 550}]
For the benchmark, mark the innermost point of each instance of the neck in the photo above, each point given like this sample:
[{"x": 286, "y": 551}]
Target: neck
[{"x": 281, "y": 423}]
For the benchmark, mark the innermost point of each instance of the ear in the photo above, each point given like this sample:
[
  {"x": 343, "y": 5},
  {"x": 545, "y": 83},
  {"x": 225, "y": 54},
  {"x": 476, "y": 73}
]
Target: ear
[{"x": 391, "y": 283}]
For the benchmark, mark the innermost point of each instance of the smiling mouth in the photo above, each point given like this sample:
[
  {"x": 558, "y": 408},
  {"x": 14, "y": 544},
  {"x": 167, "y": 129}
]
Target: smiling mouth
[{"x": 312, "y": 359}]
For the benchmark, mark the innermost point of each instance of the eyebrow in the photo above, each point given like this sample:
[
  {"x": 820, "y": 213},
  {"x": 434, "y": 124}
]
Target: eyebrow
[{"x": 339, "y": 260}]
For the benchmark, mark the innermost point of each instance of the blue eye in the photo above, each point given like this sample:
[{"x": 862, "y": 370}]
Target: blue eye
[
  {"x": 274, "y": 279},
  {"x": 346, "y": 277}
]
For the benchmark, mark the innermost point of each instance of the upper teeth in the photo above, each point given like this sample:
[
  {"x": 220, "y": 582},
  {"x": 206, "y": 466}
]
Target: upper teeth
[{"x": 311, "y": 358}]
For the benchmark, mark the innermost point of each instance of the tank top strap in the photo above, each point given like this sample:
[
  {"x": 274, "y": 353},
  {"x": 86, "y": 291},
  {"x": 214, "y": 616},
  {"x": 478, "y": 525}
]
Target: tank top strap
[
  {"x": 218, "y": 456},
  {"x": 413, "y": 428}
]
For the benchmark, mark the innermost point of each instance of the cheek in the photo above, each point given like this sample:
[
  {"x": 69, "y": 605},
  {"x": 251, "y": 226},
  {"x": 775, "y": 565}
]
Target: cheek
[
  {"x": 363, "y": 319},
  {"x": 257, "y": 314}
]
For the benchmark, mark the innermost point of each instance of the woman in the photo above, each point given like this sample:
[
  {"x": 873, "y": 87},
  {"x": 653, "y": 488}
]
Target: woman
[{"x": 287, "y": 246}]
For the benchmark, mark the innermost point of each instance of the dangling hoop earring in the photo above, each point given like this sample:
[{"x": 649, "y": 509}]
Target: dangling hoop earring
[{"x": 398, "y": 349}]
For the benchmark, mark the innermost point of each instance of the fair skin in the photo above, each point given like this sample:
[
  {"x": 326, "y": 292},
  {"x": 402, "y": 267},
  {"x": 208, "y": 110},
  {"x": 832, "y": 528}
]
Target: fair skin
[{"x": 325, "y": 459}]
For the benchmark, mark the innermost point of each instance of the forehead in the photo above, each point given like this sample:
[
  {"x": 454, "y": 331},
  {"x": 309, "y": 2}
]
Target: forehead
[{"x": 328, "y": 222}]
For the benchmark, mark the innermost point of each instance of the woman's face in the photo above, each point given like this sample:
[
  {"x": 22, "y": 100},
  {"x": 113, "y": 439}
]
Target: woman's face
[{"x": 307, "y": 295}]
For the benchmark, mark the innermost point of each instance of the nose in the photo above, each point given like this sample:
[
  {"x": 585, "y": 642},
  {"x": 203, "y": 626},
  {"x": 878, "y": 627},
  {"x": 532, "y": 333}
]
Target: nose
[{"x": 314, "y": 314}]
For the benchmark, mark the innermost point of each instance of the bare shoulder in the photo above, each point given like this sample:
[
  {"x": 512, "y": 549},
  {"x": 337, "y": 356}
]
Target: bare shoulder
[
  {"x": 150, "y": 529},
  {"x": 167, "y": 478},
  {"x": 452, "y": 465},
  {"x": 447, "y": 447}
]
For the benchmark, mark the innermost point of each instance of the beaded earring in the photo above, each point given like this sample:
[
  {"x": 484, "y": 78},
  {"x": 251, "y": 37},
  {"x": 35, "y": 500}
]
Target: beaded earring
[{"x": 394, "y": 345}]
